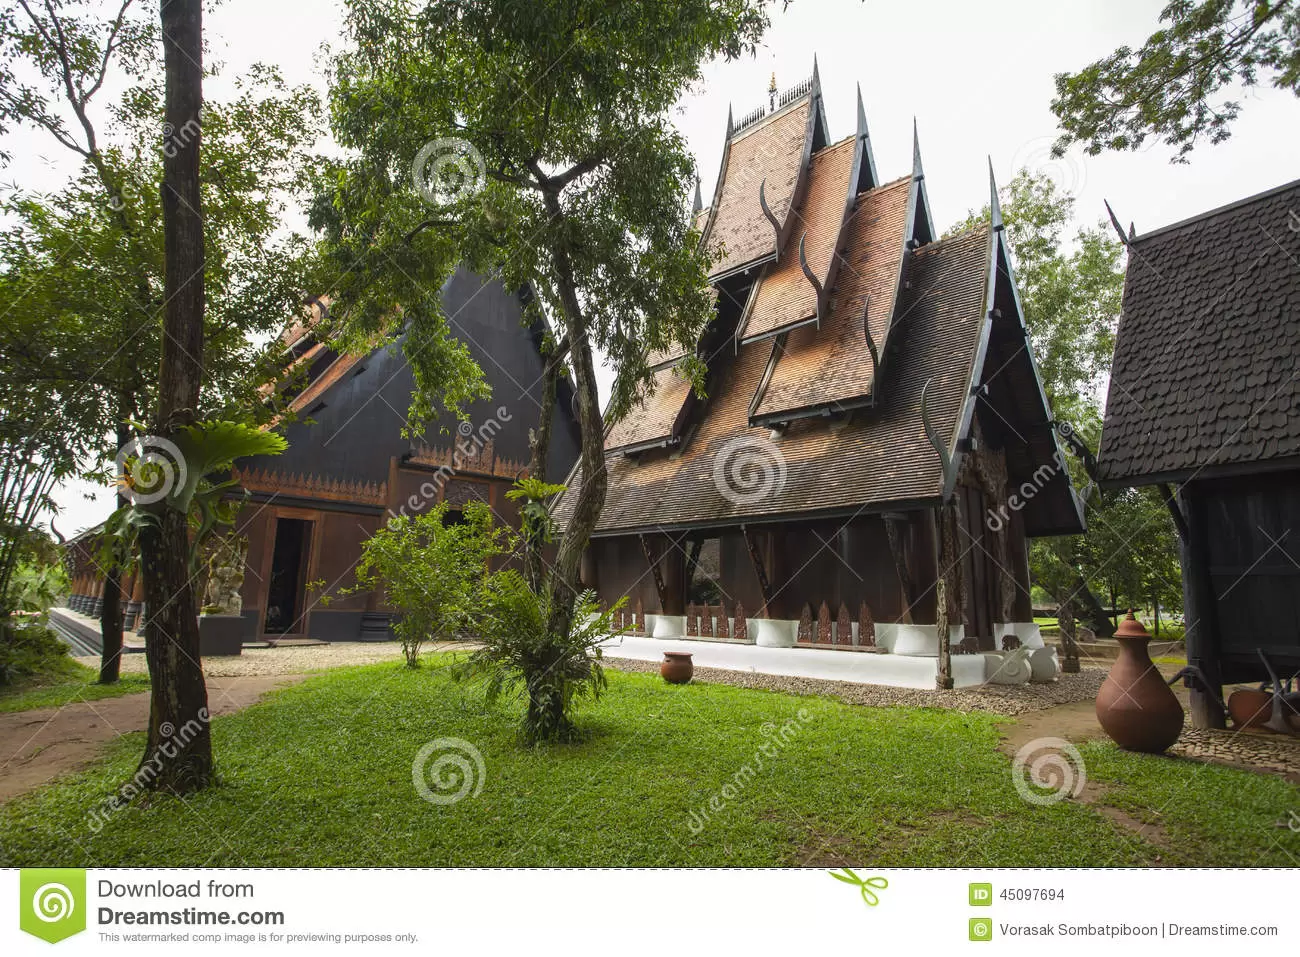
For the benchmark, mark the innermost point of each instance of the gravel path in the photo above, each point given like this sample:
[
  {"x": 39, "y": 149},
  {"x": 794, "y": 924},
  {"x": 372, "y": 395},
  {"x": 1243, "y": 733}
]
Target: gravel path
[
  {"x": 997, "y": 699},
  {"x": 292, "y": 660}
]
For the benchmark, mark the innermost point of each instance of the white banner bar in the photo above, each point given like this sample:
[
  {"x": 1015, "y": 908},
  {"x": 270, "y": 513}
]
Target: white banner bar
[{"x": 542, "y": 912}]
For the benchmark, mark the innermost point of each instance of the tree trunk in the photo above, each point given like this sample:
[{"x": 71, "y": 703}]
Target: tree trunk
[
  {"x": 540, "y": 451},
  {"x": 110, "y": 628},
  {"x": 178, "y": 756},
  {"x": 110, "y": 617},
  {"x": 564, "y": 583}
]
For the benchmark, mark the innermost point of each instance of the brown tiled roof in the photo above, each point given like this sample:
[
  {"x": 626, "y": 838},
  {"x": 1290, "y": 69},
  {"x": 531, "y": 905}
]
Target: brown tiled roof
[
  {"x": 657, "y": 416},
  {"x": 784, "y": 296},
  {"x": 877, "y": 456},
  {"x": 832, "y": 363},
  {"x": 771, "y": 150},
  {"x": 1205, "y": 372}
]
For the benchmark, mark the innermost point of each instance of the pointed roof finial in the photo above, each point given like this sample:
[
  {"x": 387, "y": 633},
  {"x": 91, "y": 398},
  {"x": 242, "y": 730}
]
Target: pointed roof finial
[
  {"x": 731, "y": 123},
  {"x": 995, "y": 205},
  {"x": 698, "y": 204},
  {"x": 816, "y": 77},
  {"x": 1114, "y": 221},
  {"x": 868, "y": 178},
  {"x": 917, "y": 172},
  {"x": 771, "y": 93}
]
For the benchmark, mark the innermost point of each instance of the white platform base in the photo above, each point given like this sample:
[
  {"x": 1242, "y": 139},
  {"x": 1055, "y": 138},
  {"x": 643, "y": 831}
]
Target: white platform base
[{"x": 898, "y": 671}]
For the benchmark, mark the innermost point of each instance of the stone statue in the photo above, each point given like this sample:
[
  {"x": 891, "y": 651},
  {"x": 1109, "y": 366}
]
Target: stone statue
[{"x": 226, "y": 576}]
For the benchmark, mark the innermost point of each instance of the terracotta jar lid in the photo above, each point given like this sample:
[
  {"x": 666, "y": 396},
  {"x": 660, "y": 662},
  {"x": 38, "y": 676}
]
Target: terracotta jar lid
[{"x": 1130, "y": 627}]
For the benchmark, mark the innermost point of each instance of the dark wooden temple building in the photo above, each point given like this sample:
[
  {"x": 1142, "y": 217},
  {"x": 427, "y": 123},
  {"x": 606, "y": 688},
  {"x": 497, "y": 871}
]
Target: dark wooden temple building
[
  {"x": 348, "y": 467},
  {"x": 1205, "y": 403},
  {"x": 868, "y": 381}
]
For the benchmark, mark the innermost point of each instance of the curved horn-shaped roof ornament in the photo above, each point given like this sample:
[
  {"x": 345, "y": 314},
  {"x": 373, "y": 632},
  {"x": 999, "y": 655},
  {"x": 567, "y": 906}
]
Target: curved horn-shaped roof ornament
[
  {"x": 808, "y": 274},
  {"x": 871, "y": 343},
  {"x": 767, "y": 210},
  {"x": 936, "y": 440}
]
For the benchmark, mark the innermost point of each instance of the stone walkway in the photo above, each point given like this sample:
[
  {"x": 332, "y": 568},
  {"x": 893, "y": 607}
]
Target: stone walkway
[{"x": 37, "y": 746}]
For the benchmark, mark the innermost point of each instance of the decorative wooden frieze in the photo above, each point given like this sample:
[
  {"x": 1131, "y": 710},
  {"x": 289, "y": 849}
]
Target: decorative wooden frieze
[
  {"x": 298, "y": 485},
  {"x": 706, "y": 621},
  {"x": 844, "y": 626},
  {"x": 724, "y": 621},
  {"x": 805, "y": 625},
  {"x": 638, "y": 618},
  {"x": 866, "y": 627},
  {"x": 693, "y": 621},
  {"x": 740, "y": 631},
  {"x": 469, "y": 454},
  {"x": 824, "y": 625}
]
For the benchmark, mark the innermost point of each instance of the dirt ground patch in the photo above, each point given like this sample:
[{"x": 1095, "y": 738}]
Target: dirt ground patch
[{"x": 37, "y": 746}]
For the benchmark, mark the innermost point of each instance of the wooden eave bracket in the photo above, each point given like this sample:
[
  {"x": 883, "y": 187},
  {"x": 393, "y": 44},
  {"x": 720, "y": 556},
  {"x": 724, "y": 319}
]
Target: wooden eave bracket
[{"x": 764, "y": 583}]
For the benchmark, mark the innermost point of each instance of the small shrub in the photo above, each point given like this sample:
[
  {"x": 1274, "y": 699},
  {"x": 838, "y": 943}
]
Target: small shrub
[
  {"x": 28, "y": 649},
  {"x": 430, "y": 571}
]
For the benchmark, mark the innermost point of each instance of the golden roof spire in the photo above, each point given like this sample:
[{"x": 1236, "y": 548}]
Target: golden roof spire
[{"x": 771, "y": 92}]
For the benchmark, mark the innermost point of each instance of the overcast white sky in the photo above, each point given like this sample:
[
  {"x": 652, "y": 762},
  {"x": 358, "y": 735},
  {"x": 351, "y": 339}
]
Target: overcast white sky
[{"x": 976, "y": 75}]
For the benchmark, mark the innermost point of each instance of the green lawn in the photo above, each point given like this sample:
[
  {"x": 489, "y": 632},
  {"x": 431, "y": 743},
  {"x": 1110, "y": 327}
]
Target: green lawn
[
  {"x": 68, "y": 683},
  {"x": 320, "y": 774}
]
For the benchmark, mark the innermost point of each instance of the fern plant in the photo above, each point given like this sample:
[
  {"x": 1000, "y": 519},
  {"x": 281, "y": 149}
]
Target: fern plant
[{"x": 519, "y": 655}]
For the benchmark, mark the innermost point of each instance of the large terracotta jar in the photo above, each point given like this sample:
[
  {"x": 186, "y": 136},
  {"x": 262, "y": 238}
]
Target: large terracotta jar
[{"x": 1135, "y": 706}]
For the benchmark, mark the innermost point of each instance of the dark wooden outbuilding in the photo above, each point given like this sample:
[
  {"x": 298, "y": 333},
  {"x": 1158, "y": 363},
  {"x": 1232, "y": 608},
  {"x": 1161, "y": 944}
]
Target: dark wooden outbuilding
[{"x": 1205, "y": 403}]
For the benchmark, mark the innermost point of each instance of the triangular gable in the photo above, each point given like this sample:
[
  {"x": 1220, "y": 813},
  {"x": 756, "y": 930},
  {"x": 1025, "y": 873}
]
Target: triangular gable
[{"x": 763, "y": 175}]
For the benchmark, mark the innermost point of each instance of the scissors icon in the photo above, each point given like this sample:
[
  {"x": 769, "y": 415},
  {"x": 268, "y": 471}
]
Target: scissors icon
[{"x": 865, "y": 886}]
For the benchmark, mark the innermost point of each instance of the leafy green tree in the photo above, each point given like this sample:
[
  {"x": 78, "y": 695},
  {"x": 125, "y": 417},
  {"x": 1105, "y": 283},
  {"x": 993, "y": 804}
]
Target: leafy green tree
[
  {"x": 532, "y": 140},
  {"x": 1177, "y": 86},
  {"x": 87, "y": 261}
]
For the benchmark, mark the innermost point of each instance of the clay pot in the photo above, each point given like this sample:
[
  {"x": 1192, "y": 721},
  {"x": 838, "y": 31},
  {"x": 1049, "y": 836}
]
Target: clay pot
[
  {"x": 1250, "y": 709},
  {"x": 1135, "y": 706},
  {"x": 677, "y": 667}
]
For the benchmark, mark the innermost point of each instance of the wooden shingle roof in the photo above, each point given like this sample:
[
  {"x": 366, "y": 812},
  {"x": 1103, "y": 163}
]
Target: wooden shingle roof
[
  {"x": 872, "y": 459},
  {"x": 1205, "y": 376},
  {"x": 833, "y": 364},
  {"x": 783, "y": 296}
]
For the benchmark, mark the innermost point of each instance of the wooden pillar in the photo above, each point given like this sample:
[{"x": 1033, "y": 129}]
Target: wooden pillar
[
  {"x": 947, "y": 574},
  {"x": 1200, "y": 610}
]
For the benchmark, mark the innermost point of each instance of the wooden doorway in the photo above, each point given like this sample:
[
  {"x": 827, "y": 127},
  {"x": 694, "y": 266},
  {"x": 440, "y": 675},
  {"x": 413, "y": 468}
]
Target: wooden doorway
[{"x": 286, "y": 605}]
